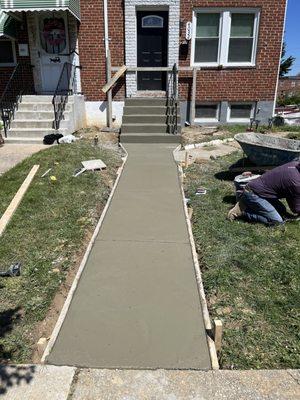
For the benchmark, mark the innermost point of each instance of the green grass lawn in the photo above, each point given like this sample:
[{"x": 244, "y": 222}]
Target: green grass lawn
[
  {"x": 251, "y": 275},
  {"x": 49, "y": 231}
]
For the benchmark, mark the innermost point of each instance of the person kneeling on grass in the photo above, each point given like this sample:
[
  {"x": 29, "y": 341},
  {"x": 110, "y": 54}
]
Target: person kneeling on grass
[{"x": 260, "y": 199}]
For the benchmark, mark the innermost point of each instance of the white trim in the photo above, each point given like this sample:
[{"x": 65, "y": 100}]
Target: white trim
[
  {"x": 13, "y": 45},
  {"x": 224, "y": 36},
  {"x": 242, "y": 120},
  {"x": 217, "y": 119},
  {"x": 38, "y": 9},
  {"x": 279, "y": 63}
]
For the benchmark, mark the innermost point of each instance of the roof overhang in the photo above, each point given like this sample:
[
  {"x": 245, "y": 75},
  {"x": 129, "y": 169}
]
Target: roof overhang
[
  {"x": 8, "y": 26},
  {"x": 41, "y": 5}
]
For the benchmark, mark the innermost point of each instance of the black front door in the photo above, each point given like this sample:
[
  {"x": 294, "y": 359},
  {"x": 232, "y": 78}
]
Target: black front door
[{"x": 152, "y": 48}]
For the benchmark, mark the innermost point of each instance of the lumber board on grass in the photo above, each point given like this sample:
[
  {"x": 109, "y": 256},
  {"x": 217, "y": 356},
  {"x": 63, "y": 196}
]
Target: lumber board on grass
[
  {"x": 218, "y": 332},
  {"x": 6, "y": 217},
  {"x": 114, "y": 79}
]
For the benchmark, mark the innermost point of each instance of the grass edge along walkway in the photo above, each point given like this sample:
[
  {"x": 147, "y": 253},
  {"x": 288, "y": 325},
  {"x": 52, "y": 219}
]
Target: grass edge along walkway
[
  {"x": 250, "y": 273},
  {"x": 47, "y": 234}
]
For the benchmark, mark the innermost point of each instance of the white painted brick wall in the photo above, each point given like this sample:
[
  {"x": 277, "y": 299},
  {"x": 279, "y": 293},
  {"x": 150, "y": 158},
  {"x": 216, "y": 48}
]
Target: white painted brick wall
[{"x": 131, "y": 40}]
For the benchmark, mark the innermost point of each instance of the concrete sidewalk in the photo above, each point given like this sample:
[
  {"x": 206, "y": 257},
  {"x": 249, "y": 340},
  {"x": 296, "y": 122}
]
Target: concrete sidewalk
[
  {"x": 34, "y": 382},
  {"x": 13, "y": 154},
  {"x": 137, "y": 304}
]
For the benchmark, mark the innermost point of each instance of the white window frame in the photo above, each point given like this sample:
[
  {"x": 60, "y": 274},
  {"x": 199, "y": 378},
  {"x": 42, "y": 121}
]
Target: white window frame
[
  {"x": 13, "y": 45},
  {"x": 241, "y": 120},
  {"x": 212, "y": 103},
  {"x": 225, "y": 29}
]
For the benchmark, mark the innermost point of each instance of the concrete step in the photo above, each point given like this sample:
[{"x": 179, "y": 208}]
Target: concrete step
[
  {"x": 23, "y": 140},
  {"x": 37, "y": 99},
  {"x": 150, "y": 102},
  {"x": 35, "y": 115},
  {"x": 144, "y": 119},
  {"x": 40, "y": 106},
  {"x": 32, "y": 133},
  {"x": 145, "y": 128},
  {"x": 145, "y": 110},
  {"x": 35, "y": 124},
  {"x": 142, "y": 138}
]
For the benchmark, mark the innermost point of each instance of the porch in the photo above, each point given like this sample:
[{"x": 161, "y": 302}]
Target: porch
[{"x": 42, "y": 91}]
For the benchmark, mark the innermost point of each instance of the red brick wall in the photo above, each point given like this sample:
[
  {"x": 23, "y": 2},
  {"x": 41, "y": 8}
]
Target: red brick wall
[
  {"x": 5, "y": 72},
  {"x": 92, "y": 47},
  {"x": 236, "y": 84}
]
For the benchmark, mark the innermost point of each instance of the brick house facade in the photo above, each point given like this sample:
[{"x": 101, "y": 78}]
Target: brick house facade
[
  {"x": 289, "y": 86},
  {"x": 235, "y": 43}
]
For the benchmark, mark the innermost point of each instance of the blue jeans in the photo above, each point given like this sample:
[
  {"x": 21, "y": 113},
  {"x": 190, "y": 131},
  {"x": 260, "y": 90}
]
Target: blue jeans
[{"x": 258, "y": 209}]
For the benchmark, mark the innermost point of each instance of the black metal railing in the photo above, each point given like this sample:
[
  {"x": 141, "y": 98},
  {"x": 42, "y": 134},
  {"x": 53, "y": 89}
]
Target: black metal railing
[
  {"x": 19, "y": 84},
  {"x": 66, "y": 87},
  {"x": 172, "y": 101}
]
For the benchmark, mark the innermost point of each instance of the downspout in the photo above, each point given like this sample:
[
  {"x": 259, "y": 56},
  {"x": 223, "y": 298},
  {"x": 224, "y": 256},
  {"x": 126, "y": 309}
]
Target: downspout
[
  {"x": 108, "y": 66},
  {"x": 282, "y": 40},
  {"x": 106, "y": 38}
]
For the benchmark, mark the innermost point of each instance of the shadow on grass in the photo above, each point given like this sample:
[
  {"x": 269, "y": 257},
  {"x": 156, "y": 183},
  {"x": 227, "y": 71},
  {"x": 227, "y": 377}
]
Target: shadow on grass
[
  {"x": 225, "y": 176},
  {"x": 11, "y": 375},
  {"x": 14, "y": 375},
  {"x": 231, "y": 200}
]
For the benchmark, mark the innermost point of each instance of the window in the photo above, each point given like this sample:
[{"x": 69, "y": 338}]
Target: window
[
  {"x": 225, "y": 37},
  {"x": 207, "y": 38},
  {"x": 207, "y": 112},
  {"x": 240, "y": 112},
  {"x": 7, "y": 53},
  {"x": 152, "y": 21}
]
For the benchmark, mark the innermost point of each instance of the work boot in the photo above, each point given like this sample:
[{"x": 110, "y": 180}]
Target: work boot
[{"x": 236, "y": 211}]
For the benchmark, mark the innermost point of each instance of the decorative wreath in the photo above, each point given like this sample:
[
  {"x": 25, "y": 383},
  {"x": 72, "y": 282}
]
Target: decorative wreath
[{"x": 54, "y": 38}]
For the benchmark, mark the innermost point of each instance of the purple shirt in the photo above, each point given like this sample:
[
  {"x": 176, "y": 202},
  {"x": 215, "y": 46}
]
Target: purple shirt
[{"x": 280, "y": 183}]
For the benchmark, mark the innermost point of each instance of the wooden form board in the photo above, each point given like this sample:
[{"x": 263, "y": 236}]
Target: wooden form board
[
  {"x": 6, "y": 217},
  {"x": 114, "y": 79}
]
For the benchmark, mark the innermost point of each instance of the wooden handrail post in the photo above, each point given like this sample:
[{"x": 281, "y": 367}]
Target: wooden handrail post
[
  {"x": 193, "y": 99},
  {"x": 109, "y": 92}
]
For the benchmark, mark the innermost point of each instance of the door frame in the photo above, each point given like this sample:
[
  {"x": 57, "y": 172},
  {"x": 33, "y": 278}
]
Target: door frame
[
  {"x": 40, "y": 50},
  {"x": 131, "y": 6},
  {"x": 152, "y": 10}
]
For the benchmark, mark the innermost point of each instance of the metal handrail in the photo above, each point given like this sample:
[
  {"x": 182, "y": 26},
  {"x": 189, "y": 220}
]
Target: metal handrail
[
  {"x": 172, "y": 101},
  {"x": 66, "y": 87},
  {"x": 17, "y": 86}
]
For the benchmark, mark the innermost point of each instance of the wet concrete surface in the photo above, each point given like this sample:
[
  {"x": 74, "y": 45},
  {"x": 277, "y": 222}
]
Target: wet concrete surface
[{"x": 137, "y": 304}]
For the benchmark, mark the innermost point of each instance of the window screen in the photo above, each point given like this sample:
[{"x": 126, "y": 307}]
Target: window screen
[
  {"x": 207, "y": 37},
  {"x": 241, "y": 38},
  {"x": 206, "y": 111},
  {"x": 240, "y": 111},
  {"x": 6, "y": 52}
]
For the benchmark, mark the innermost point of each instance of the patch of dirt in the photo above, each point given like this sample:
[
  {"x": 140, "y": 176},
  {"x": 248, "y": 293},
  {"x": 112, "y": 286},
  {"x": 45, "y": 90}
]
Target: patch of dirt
[
  {"x": 198, "y": 134},
  {"x": 105, "y": 139}
]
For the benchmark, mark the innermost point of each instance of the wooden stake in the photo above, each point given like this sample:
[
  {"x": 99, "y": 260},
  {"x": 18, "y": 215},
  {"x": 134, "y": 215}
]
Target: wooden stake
[
  {"x": 218, "y": 332},
  {"x": 6, "y": 217},
  {"x": 186, "y": 161},
  {"x": 190, "y": 212}
]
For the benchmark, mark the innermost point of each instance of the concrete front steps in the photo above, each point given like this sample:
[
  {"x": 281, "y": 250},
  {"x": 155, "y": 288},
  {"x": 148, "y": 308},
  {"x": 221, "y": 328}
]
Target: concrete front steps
[
  {"x": 34, "y": 119},
  {"x": 145, "y": 121}
]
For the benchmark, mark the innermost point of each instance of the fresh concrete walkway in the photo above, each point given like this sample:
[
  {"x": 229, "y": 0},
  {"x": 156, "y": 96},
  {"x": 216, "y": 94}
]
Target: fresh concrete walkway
[{"x": 137, "y": 304}]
